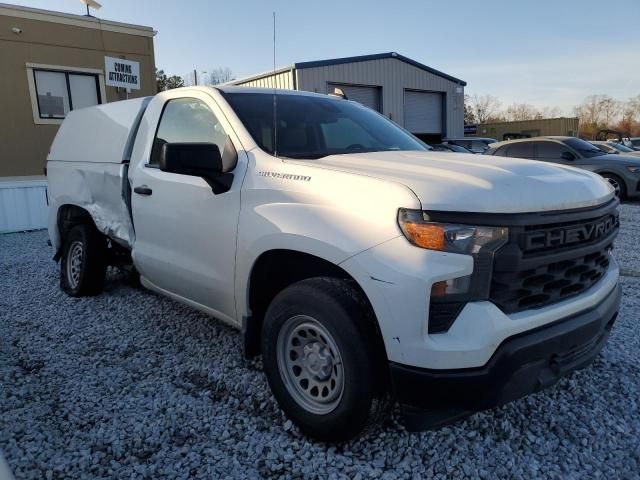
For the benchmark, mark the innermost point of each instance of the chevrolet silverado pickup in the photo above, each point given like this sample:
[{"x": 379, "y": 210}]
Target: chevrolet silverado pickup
[{"x": 363, "y": 267}]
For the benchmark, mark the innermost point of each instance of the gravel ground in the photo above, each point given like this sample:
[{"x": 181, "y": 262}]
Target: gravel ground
[{"x": 132, "y": 385}]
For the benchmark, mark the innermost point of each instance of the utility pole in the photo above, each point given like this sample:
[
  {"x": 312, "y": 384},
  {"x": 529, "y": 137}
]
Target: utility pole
[{"x": 195, "y": 76}]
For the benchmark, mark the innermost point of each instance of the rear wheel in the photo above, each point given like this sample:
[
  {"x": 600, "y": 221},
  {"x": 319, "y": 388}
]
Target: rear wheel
[
  {"x": 324, "y": 360},
  {"x": 84, "y": 261},
  {"x": 618, "y": 185}
]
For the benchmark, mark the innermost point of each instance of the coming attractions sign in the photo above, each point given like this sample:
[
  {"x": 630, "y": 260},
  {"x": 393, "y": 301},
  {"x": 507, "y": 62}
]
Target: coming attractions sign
[{"x": 121, "y": 73}]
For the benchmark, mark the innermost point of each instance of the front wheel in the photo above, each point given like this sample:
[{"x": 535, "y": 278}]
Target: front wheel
[
  {"x": 324, "y": 360},
  {"x": 617, "y": 183}
]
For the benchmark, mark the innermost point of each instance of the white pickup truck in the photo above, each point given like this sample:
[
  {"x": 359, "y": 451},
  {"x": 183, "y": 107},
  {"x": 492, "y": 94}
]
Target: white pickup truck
[{"x": 364, "y": 268}]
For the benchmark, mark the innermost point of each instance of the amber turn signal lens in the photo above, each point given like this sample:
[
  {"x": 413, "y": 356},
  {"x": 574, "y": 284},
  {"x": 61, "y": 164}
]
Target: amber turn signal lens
[
  {"x": 439, "y": 289},
  {"x": 425, "y": 235}
]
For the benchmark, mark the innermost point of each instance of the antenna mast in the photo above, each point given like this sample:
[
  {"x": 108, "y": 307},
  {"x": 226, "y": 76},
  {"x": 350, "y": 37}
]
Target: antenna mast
[{"x": 275, "y": 103}]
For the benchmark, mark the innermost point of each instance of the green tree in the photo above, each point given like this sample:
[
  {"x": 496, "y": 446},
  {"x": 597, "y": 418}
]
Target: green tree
[{"x": 164, "y": 82}]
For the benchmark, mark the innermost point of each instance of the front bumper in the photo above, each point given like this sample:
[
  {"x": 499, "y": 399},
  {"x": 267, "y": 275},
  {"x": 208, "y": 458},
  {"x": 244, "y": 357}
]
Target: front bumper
[{"x": 522, "y": 364}]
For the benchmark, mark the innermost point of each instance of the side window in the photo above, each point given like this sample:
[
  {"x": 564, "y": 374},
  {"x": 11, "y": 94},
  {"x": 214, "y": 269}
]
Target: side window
[
  {"x": 502, "y": 151},
  {"x": 187, "y": 120},
  {"x": 521, "y": 150},
  {"x": 478, "y": 146},
  {"x": 550, "y": 151}
]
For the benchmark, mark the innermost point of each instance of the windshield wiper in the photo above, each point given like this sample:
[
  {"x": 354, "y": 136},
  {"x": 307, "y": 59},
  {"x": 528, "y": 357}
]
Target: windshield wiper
[{"x": 301, "y": 156}]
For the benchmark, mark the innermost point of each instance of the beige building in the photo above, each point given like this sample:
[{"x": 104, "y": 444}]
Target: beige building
[
  {"x": 52, "y": 63},
  {"x": 565, "y": 126}
]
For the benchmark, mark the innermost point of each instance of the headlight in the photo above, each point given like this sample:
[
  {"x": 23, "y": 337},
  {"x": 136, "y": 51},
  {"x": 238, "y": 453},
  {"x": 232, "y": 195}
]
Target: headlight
[
  {"x": 634, "y": 169},
  {"x": 449, "y": 237},
  {"x": 449, "y": 296}
]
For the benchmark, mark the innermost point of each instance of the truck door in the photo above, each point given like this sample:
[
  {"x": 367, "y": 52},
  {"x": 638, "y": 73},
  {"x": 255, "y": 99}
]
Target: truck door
[{"x": 185, "y": 233}]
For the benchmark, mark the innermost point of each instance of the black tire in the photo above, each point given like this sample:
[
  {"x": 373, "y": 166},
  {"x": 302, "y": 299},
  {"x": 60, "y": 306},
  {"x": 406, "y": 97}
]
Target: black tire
[
  {"x": 617, "y": 183},
  {"x": 86, "y": 277},
  {"x": 343, "y": 312}
]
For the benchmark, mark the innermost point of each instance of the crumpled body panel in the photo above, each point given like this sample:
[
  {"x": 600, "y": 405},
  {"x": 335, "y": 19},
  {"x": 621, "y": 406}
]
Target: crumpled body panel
[{"x": 100, "y": 189}]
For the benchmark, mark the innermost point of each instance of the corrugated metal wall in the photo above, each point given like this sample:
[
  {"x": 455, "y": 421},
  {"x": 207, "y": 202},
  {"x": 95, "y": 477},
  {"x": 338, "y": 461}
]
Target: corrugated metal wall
[
  {"x": 394, "y": 76},
  {"x": 548, "y": 126},
  {"x": 23, "y": 205},
  {"x": 279, "y": 80}
]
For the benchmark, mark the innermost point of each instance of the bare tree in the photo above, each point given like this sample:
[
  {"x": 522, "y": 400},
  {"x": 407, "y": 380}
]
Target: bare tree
[
  {"x": 551, "y": 112},
  {"x": 598, "y": 112},
  {"x": 218, "y": 75},
  {"x": 485, "y": 108},
  {"x": 611, "y": 109},
  {"x": 522, "y": 111},
  {"x": 469, "y": 115},
  {"x": 630, "y": 117}
]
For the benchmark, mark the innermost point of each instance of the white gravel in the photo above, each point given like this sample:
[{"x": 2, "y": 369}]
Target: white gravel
[{"x": 131, "y": 385}]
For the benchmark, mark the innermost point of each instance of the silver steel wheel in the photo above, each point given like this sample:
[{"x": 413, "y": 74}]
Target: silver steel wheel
[
  {"x": 310, "y": 364},
  {"x": 74, "y": 263},
  {"x": 616, "y": 186}
]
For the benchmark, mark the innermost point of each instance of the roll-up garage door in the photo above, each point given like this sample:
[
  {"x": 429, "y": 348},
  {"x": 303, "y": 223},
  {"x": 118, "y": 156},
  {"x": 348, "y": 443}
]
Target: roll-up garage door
[
  {"x": 367, "y": 96},
  {"x": 423, "y": 112}
]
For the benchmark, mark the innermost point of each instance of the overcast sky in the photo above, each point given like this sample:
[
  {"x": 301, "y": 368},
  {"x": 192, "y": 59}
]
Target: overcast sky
[{"x": 543, "y": 52}]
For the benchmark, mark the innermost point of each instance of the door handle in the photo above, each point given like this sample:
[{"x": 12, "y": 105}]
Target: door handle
[{"x": 143, "y": 190}]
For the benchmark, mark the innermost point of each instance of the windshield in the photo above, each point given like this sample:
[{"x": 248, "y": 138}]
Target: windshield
[
  {"x": 314, "y": 127},
  {"x": 585, "y": 149},
  {"x": 458, "y": 148},
  {"x": 621, "y": 148}
]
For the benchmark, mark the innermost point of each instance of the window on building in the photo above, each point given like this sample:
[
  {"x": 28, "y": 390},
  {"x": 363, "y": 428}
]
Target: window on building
[
  {"x": 187, "y": 120},
  {"x": 60, "y": 92}
]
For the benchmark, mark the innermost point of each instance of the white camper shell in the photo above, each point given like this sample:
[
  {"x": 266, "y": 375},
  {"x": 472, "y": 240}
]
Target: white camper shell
[{"x": 99, "y": 141}]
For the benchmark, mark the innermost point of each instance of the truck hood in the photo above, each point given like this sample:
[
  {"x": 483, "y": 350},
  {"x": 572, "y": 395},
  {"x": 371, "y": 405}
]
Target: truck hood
[{"x": 477, "y": 183}]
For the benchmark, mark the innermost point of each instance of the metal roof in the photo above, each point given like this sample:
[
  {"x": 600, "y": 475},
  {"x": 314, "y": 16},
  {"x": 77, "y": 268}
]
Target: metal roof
[
  {"x": 229, "y": 88},
  {"x": 377, "y": 56},
  {"x": 360, "y": 58}
]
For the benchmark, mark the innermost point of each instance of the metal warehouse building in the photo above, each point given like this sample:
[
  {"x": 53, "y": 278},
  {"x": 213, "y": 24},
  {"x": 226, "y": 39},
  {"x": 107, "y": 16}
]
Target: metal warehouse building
[{"x": 425, "y": 101}]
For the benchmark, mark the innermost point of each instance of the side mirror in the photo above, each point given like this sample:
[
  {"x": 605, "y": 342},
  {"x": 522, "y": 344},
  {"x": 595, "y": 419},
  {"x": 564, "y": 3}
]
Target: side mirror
[
  {"x": 201, "y": 160},
  {"x": 568, "y": 156},
  {"x": 197, "y": 159}
]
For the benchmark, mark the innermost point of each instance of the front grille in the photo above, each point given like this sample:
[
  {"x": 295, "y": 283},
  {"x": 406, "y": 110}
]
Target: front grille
[
  {"x": 548, "y": 283},
  {"x": 546, "y": 263}
]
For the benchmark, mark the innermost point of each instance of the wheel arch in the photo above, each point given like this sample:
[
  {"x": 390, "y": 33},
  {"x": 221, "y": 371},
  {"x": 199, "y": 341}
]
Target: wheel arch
[
  {"x": 67, "y": 216},
  {"x": 276, "y": 269},
  {"x": 627, "y": 186}
]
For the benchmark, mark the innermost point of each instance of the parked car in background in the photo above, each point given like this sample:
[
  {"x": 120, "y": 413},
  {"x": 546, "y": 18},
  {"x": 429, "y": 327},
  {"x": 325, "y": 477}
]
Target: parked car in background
[
  {"x": 622, "y": 171},
  {"x": 451, "y": 147},
  {"x": 474, "y": 145},
  {"x": 634, "y": 143},
  {"x": 615, "y": 148}
]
